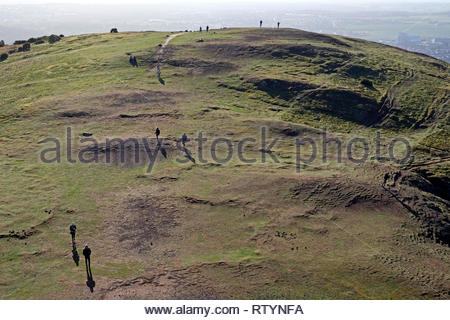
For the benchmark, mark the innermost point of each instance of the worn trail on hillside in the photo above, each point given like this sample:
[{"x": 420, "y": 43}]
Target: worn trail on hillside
[{"x": 160, "y": 53}]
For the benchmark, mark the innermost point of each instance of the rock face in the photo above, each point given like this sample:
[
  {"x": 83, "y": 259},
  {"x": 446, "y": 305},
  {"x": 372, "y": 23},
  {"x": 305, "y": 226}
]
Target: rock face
[
  {"x": 54, "y": 38},
  {"x": 26, "y": 47},
  {"x": 422, "y": 199}
]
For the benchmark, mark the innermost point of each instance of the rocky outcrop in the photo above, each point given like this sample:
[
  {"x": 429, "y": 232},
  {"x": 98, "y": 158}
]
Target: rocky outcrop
[{"x": 422, "y": 199}]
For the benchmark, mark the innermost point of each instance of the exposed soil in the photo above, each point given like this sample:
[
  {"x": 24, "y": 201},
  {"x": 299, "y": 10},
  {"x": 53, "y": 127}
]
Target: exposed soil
[
  {"x": 332, "y": 193},
  {"x": 74, "y": 114},
  {"x": 291, "y": 34},
  {"x": 284, "y": 129},
  {"x": 151, "y": 115},
  {"x": 142, "y": 220},
  {"x": 198, "y": 66},
  {"x": 130, "y": 151},
  {"x": 191, "y": 283},
  {"x": 418, "y": 196},
  {"x": 242, "y": 50},
  {"x": 121, "y": 99},
  {"x": 94, "y": 106}
]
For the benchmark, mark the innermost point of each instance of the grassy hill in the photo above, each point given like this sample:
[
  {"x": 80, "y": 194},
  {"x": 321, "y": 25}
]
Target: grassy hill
[{"x": 202, "y": 229}]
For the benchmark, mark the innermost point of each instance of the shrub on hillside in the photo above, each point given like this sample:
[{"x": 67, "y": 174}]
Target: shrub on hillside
[
  {"x": 54, "y": 38},
  {"x": 20, "y": 41},
  {"x": 114, "y": 30},
  {"x": 3, "y": 57},
  {"x": 2, "y": 43},
  {"x": 26, "y": 47},
  {"x": 367, "y": 83}
]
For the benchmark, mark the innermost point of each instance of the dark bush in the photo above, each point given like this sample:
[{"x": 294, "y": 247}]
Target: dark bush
[
  {"x": 114, "y": 30},
  {"x": 2, "y": 43},
  {"x": 32, "y": 40},
  {"x": 12, "y": 51},
  {"x": 39, "y": 42},
  {"x": 20, "y": 49},
  {"x": 26, "y": 47},
  {"x": 54, "y": 38},
  {"x": 367, "y": 83},
  {"x": 3, "y": 57},
  {"x": 61, "y": 36},
  {"x": 20, "y": 41}
]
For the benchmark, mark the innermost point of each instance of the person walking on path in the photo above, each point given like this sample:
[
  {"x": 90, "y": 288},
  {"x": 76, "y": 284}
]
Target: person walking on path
[
  {"x": 73, "y": 230},
  {"x": 184, "y": 139},
  {"x": 158, "y": 72},
  {"x": 87, "y": 257},
  {"x": 157, "y": 132}
]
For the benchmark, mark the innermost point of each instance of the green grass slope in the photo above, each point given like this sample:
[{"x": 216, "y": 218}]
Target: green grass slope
[{"x": 336, "y": 230}]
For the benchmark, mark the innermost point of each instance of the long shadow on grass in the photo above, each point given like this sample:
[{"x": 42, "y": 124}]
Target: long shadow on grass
[
  {"x": 90, "y": 279},
  {"x": 75, "y": 256}
]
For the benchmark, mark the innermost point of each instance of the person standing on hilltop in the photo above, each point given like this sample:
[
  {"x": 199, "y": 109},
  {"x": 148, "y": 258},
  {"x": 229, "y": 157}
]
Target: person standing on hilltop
[
  {"x": 260, "y": 23},
  {"x": 278, "y": 25},
  {"x": 73, "y": 230},
  {"x": 207, "y": 28},
  {"x": 200, "y": 29}
]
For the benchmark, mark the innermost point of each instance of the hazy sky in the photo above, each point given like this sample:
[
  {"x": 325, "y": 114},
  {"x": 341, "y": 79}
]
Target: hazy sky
[
  {"x": 12, "y": 2},
  {"x": 376, "y": 20}
]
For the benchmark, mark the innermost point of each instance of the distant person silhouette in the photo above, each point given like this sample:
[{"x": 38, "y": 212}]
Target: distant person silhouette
[
  {"x": 278, "y": 25},
  {"x": 135, "y": 63},
  {"x": 157, "y": 133},
  {"x": 184, "y": 139},
  {"x": 73, "y": 230},
  {"x": 131, "y": 60},
  {"x": 87, "y": 258},
  {"x": 200, "y": 29},
  {"x": 260, "y": 23},
  {"x": 207, "y": 28}
]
